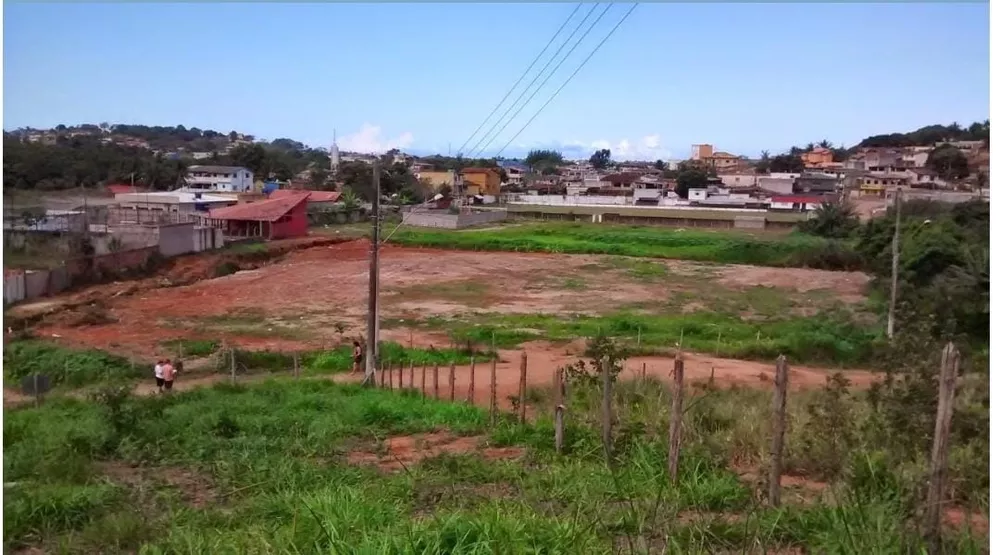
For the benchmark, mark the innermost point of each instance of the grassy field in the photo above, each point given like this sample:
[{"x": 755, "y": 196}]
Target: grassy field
[
  {"x": 272, "y": 468},
  {"x": 828, "y": 339},
  {"x": 728, "y": 247}
]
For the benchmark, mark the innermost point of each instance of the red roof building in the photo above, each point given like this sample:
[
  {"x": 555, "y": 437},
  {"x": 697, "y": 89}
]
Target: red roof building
[
  {"x": 314, "y": 196},
  {"x": 274, "y": 218}
]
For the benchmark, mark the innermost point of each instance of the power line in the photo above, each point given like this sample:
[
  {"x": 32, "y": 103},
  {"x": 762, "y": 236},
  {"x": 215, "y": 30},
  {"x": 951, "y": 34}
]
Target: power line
[
  {"x": 554, "y": 56},
  {"x": 551, "y": 73},
  {"x": 587, "y": 59},
  {"x": 521, "y": 78}
]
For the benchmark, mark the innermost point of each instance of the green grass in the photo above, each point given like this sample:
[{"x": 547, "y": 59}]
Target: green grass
[
  {"x": 64, "y": 366},
  {"x": 271, "y": 459},
  {"x": 825, "y": 339},
  {"x": 643, "y": 241},
  {"x": 340, "y": 359}
]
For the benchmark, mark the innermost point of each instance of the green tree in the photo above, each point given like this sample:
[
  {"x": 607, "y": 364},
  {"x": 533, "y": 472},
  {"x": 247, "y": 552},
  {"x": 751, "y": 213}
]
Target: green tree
[
  {"x": 764, "y": 164},
  {"x": 660, "y": 165},
  {"x": 690, "y": 176},
  {"x": 788, "y": 163},
  {"x": 537, "y": 160},
  {"x": 948, "y": 162},
  {"x": 832, "y": 219},
  {"x": 600, "y": 159}
]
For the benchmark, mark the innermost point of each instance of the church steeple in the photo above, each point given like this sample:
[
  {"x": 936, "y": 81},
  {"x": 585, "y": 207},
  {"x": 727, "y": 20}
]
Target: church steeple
[{"x": 334, "y": 153}]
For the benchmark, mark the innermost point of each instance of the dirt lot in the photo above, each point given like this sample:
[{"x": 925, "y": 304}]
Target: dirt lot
[{"x": 298, "y": 302}]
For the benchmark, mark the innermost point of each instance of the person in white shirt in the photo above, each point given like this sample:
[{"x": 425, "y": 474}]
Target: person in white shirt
[{"x": 158, "y": 372}]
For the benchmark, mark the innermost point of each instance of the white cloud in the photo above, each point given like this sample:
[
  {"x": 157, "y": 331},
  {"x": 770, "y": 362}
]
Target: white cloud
[
  {"x": 652, "y": 142},
  {"x": 369, "y": 140},
  {"x": 647, "y": 147}
]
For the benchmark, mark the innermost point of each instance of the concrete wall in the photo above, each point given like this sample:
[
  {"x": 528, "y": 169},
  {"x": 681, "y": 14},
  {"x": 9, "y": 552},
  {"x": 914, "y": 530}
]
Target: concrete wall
[
  {"x": 454, "y": 221},
  {"x": 176, "y": 239},
  {"x": 13, "y": 287}
]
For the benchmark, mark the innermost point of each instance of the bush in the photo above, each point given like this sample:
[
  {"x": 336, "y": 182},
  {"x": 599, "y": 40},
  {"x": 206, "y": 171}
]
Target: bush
[{"x": 66, "y": 366}]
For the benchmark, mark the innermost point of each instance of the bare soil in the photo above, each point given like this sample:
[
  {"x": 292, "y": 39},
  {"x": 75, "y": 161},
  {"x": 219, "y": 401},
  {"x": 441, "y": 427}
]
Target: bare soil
[
  {"x": 299, "y": 298},
  {"x": 400, "y": 452}
]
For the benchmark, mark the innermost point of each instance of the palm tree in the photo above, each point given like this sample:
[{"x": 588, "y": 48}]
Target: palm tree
[
  {"x": 350, "y": 200},
  {"x": 825, "y": 144}
]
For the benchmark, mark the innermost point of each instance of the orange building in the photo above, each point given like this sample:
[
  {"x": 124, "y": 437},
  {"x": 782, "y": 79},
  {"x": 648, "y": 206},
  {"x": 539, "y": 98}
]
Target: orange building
[
  {"x": 818, "y": 158},
  {"x": 481, "y": 181}
]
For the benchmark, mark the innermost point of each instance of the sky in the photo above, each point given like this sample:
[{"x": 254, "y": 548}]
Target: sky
[{"x": 422, "y": 77}]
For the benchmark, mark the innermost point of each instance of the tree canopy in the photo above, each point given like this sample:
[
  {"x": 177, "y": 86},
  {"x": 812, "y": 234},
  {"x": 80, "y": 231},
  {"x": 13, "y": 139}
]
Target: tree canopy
[
  {"x": 601, "y": 159},
  {"x": 929, "y": 135},
  {"x": 948, "y": 162},
  {"x": 690, "y": 176},
  {"x": 539, "y": 160}
]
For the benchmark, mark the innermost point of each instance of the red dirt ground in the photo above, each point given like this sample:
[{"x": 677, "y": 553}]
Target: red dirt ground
[{"x": 401, "y": 452}]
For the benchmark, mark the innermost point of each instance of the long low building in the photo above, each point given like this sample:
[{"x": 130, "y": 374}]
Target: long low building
[{"x": 174, "y": 201}]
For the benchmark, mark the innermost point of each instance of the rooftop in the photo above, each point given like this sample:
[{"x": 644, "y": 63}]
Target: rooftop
[
  {"x": 269, "y": 210},
  {"x": 314, "y": 196},
  {"x": 216, "y": 169},
  {"x": 172, "y": 197}
]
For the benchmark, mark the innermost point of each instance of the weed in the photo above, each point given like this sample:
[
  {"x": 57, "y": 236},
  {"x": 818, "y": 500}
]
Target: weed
[{"x": 66, "y": 366}]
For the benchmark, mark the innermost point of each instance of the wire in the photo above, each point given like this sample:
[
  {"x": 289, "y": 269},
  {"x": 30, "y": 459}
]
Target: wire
[
  {"x": 553, "y": 72},
  {"x": 587, "y": 59},
  {"x": 554, "y": 56},
  {"x": 521, "y": 78}
]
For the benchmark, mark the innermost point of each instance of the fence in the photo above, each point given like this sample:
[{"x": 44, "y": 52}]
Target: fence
[{"x": 391, "y": 376}]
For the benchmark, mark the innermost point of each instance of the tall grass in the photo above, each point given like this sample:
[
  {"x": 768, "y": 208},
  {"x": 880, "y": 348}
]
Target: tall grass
[
  {"x": 828, "y": 339},
  {"x": 644, "y": 241},
  {"x": 272, "y": 459},
  {"x": 65, "y": 366}
]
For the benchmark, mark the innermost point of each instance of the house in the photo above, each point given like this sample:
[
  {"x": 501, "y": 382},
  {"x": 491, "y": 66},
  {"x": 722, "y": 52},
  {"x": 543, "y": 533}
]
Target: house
[
  {"x": 875, "y": 185},
  {"x": 739, "y": 179},
  {"x": 817, "y": 158},
  {"x": 481, "y": 181},
  {"x": 777, "y": 183},
  {"x": 320, "y": 198},
  {"x": 922, "y": 178},
  {"x": 231, "y": 179},
  {"x": 180, "y": 202},
  {"x": 624, "y": 180},
  {"x": 277, "y": 218},
  {"x": 796, "y": 203},
  {"x": 438, "y": 178},
  {"x": 816, "y": 183}
]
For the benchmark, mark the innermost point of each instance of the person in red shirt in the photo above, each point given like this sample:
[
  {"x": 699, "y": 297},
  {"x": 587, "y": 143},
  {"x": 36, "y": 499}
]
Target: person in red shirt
[{"x": 168, "y": 375}]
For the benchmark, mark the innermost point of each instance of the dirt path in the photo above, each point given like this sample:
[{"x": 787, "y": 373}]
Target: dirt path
[{"x": 543, "y": 360}]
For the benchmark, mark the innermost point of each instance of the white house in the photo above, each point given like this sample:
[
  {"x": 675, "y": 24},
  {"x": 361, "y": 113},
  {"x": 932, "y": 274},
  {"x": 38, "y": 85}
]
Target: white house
[{"x": 230, "y": 179}]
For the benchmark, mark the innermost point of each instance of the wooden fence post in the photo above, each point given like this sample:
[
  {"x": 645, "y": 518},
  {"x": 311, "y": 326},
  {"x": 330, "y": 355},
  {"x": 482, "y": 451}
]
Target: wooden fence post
[
  {"x": 411, "y": 374},
  {"x": 560, "y": 408},
  {"x": 939, "y": 450},
  {"x": 778, "y": 431},
  {"x": 472, "y": 381},
  {"x": 451, "y": 381},
  {"x": 387, "y": 375},
  {"x": 423, "y": 381},
  {"x": 606, "y": 408},
  {"x": 295, "y": 364},
  {"x": 400, "y": 383},
  {"x": 232, "y": 364},
  {"x": 523, "y": 387},
  {"x": 436, "y": 394},
  {"x": 493, "y": 391},
  {"x": 676, "y": 417}
]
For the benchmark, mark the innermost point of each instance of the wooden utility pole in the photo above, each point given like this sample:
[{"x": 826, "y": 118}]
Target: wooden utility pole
[
  {"x": 939, "y": 450},
  {"x": 560, "y": 409},
  {"x": 676, "y": 418},
  {"x": 371, "y": 355},
  {"x": 451, "y": 381},
  {"x": 778, "y": 431},
  {"x": 891, "y": 324},
  {"x": 493, "y": 391},
  {"x": 523, "y": 388},
  {"x": 472, "y": 380},
  {"x": 606, "y": 408}
]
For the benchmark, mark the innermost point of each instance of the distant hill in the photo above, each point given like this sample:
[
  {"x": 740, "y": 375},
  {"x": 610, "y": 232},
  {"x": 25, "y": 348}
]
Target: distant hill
[{"x": 927, "y": 136}]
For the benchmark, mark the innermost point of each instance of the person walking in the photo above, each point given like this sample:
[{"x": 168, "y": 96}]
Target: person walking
[
  {"x": 158, "y": 373},
  {"x": 357, "y": 358},
  {"x": 168, "y": 375}
]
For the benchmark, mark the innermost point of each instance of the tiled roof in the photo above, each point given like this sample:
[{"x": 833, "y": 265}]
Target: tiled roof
[
  {"x": 261, "y": 211},
  {"x": 798, "y": 198},
  {"x": 479, "y": 170},
  {"x": 314, "y": 196}
]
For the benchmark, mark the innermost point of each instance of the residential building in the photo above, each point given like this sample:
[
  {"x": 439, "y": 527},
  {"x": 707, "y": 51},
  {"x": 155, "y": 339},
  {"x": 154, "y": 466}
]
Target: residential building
[
  {"x": 776, "y": 183},
  {"x": 231, "y": 179},
  {"x": 747, "y": 179},
  {"x": 315, "y": 198},
  {"x": 723, "y": 161},
  {"x": 481, "y": 181},
  {"x": 796, "y": 203},
  {"x": 701, "y": 152},
  {"x": 180, "y": 202},
  {"x": 816, "y": 183},
  {"x": 621, "y": 181},
  {"x": 817, "y": 158},
  {"x": 966, "y": 146},
  {"x": 875, "y": 185},
  {"x": 515, "y": 174},
  {"x": 278, "y": 218},
  {"x": 438, "y": 178}
]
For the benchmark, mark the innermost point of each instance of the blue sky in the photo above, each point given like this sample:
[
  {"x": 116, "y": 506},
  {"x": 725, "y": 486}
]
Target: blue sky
[{"x": 743, "y": 77}]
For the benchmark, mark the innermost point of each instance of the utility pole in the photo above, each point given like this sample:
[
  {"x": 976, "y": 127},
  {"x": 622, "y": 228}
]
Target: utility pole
[
  {"x": 371, "y": 350},
  {"x": 890, "y": 326}
]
